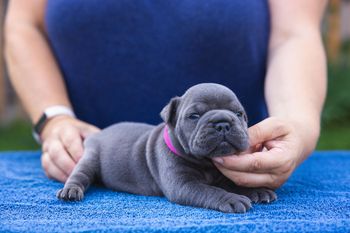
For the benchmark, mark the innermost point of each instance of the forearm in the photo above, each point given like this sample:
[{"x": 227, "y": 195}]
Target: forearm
[
  {"x": 295, "y": 89},
  {"x": 295, "y": 84},
  {"x": 33, "y": 70}
]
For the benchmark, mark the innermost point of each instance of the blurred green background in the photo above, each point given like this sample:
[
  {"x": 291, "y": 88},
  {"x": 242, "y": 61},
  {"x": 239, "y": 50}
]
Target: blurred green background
[{"x": 15, "y": 130}]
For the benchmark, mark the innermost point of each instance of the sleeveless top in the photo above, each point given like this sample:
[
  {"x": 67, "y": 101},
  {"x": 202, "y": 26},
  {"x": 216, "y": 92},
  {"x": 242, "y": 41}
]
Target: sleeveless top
[{"x": 124, "y": 60}]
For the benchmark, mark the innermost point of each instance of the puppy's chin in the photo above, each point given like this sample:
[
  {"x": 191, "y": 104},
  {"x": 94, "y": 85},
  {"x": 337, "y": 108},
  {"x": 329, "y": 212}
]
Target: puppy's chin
[{"x": 222, "y": 148}]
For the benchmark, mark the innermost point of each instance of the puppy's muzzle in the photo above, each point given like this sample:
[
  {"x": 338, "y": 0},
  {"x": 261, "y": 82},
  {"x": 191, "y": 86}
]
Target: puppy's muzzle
[
  {"x": 222, "y": 127},
  {"x": 222, "y": 122}
]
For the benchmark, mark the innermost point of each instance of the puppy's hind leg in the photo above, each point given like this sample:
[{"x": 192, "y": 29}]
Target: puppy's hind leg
[{"x": 82, "y": 176}]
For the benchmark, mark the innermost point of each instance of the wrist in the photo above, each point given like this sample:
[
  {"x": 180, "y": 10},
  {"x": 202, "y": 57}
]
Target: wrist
[
  {"x": 308, "y": 132},
  {"x": 304, "y": 131},
  {"x": 48, "y": 115}
]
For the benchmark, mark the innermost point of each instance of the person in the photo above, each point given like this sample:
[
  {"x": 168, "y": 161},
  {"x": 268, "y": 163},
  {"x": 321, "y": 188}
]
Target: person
[{"x": 123, "y": 60}]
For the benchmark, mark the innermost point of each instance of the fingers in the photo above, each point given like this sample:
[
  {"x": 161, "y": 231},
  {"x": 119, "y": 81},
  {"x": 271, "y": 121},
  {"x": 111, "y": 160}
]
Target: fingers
[
  {"x": 51, "y": 170},
  {"x": 273, "y": 155},
  {"x": 258, "y": 162},
  {"x": 268, "y": 129},
  {"x": 63, "y": 145},
  {"x": 86, "y": 131},
  {"x": 73, "y": 143},
  {"x": 253, "y": 180},
  {"x": 267, "y": 133},
  {"x": 59, "y": 156}
]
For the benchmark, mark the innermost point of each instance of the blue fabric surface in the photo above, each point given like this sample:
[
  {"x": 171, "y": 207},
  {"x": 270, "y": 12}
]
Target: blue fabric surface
[
  {"x": 123, "y": 60},
  {"x": 316, "y": 198}
]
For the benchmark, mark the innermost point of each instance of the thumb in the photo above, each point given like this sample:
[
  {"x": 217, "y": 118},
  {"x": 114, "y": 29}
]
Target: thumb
[
  {"x": 87, "y": 130},
  {"x": 266, "y": 130}
]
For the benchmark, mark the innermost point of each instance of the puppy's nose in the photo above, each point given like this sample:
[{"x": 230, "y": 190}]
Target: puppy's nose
[{"x": 222, "y": 126}]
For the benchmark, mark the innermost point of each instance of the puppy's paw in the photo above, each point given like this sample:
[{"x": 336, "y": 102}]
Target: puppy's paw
[
  {"x": 73, "y": 193},
  {"x": 235, "y": 204},
  {"x": 261, "y": 195}
]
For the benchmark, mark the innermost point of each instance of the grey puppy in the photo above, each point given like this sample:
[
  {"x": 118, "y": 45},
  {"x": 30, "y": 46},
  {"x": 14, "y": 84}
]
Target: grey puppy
[{"x": 173, "y": 159}]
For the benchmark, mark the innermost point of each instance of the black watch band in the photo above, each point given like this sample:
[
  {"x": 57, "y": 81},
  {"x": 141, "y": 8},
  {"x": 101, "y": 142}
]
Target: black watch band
[
  {"x": 48, "y": 114},
  {"x": 38, "y": 127}
]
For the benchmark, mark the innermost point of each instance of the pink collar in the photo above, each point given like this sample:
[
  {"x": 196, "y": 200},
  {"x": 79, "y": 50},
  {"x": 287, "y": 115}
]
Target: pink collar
[{"x": 168, "y": 142}]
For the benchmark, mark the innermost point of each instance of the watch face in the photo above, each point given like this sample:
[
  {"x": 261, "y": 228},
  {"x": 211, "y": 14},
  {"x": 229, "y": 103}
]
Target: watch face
[{"x": 38, "y": 127}]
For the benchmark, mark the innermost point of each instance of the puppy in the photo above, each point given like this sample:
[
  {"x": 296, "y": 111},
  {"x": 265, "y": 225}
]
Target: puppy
[{"x": 173, "y": 159}]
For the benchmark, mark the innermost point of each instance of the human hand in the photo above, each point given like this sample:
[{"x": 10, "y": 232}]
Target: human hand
[
  {"x": 62, "y": 146},
  {"x": 277, "y": 148}
]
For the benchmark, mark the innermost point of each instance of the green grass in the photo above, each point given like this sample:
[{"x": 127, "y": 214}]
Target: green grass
[
  {"x": 335, "y": 138},
  {"x": 17, "y": 136}
]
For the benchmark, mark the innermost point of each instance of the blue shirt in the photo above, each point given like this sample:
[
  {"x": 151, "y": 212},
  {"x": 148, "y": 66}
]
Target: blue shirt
[{"x": 123, "y": 60}]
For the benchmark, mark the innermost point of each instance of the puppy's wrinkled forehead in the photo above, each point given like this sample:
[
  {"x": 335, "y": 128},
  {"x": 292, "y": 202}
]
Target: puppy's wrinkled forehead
[{"x": 211, "y": 94}]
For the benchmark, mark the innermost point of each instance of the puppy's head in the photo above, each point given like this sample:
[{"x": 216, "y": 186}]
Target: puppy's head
[{"x": 208, "y": 121}]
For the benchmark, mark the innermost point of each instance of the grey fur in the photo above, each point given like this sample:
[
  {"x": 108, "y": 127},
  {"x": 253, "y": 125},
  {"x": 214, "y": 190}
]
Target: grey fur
[{"x": 133, "y": 157}]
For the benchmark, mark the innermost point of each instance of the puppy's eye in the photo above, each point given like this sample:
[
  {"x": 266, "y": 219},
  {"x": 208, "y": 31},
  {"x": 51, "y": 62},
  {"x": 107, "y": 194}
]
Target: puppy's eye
[
  {"x": 194, "y": 116},
  {"x": 239, "y": 114}
]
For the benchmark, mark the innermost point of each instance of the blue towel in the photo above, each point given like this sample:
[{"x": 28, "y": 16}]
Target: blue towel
[{"x": 316, "y": 198}]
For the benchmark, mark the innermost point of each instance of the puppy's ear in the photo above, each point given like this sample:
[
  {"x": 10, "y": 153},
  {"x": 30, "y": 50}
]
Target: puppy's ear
[{"x": 168, "y": 114}]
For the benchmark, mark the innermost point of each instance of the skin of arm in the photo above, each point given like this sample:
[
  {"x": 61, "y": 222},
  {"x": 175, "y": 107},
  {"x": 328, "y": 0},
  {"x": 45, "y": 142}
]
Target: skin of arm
[
  {"x": 32, "y": 67},
  {"x": 38, "y": 82},
  {"x": 295, "y": 90}
]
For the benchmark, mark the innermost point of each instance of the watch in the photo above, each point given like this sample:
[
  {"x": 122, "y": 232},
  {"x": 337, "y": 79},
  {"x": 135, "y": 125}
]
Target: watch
[{"x": 49, "y": 113}]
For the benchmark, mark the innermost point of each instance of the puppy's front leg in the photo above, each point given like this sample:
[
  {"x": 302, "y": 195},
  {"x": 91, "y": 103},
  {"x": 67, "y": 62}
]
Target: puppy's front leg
[
  {"x": 82, "y": 176},
  {"x": 202, "y": 195},
  {"x": 256, "y": 195}
]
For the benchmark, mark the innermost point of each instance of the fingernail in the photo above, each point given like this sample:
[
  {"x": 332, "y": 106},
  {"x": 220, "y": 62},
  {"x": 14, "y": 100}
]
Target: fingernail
[{"x": 218, "y": 160}]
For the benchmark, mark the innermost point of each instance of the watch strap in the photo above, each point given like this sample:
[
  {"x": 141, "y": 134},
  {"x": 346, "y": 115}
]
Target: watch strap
[{"x": 48, "y": 114}]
